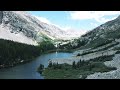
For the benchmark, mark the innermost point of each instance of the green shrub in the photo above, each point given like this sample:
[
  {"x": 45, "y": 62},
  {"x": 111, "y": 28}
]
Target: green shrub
[
  {"x": 40, "y": 68},
  {"x": 117, "y": 52},
  {"x": 78, "y": 54}
]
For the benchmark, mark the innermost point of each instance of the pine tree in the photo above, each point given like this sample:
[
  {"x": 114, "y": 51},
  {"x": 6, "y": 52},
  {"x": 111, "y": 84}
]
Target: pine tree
[
  {"x": 78, "y": 64},
  {"x": 90, "y": 66},
  {"x": 50, "y": 64},
  {"x": 54, "y": 66},
  {"x": 41, "y": 67},
  {"x": 57, "y": 65},
  {"x": 73, "y": 65},
  {"x": 82, "y": 62}
]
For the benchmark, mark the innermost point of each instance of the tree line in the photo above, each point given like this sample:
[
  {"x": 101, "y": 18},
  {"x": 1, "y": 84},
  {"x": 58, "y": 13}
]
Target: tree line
[{"x": 12, "y": 53}]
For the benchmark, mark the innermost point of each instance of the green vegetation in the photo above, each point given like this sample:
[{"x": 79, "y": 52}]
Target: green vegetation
[
  {"x": 113, "y": 34},
  {"x": 112, "y": 45},
  {"x": 78, "y": 54},
  {"x": 71, "y": 45},
  {"x": 102, "y": 43},
  {"x": 102, "y": 58},
  {"x": 46, "y": 46},
  {"x": 65, "y": 50},
  {"x": 117, "y": 52},
  {"x": 40, "y": 68},
  {"x": 116, "y": 48},
  {"x": 13, "y": 53},
  {"x": 85, "y": 53},
  {"x": 92, "y": 39},
  {"x": 78, "y": 70},
  {"x": 98, "y": 42},
  {"x": 105, "y": 48}
]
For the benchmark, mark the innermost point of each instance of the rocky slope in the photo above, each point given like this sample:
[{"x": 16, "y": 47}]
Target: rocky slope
[
  {"x": 102, "y": 34},
  {"x": 101, "y": 41},
  {"x": 115, "y": 74},
  {"x": 23, "y": 27}
]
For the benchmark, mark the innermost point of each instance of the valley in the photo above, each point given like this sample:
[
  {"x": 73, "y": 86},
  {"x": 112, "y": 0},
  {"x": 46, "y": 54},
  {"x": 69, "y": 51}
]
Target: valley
[
  {"x": 49, "y": 52},
  {"x": 93, "y": 45}
]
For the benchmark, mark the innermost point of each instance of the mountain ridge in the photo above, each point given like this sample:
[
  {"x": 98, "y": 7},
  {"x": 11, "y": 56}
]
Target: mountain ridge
[
  {"x": 21, "y": 23},
  {"x": 97, "y": 46}
]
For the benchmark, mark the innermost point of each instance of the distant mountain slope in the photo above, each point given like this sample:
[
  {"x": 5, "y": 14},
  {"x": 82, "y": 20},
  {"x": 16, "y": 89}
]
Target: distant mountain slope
[
  {"x": 101, "y": 35},
  {"x": 23, "y": 27},
  {"x": 100, "y": 46}
]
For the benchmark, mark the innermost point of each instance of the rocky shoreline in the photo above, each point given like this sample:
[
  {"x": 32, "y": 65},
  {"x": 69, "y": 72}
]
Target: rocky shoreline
[
  {"x": 115, "y": 74},
  {"x": 83, "y": 57},
  {"x": 107, "y": 75}
]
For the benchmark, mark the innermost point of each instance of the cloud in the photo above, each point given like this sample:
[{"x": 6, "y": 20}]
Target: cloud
[
  {"x": 68, "y": 29},
  {"x": 96, "y": 15},
  {"x": 102, "y": 20},
  {"x": 94, "y": 24},
  {"x": 43, "y": 19}
]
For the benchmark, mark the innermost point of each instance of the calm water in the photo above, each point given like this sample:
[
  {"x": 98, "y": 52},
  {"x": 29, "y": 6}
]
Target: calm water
[{"x": 28, "y": 71}]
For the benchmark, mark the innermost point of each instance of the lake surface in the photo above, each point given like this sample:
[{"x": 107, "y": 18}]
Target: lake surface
[{"x": 28, "y": 70}]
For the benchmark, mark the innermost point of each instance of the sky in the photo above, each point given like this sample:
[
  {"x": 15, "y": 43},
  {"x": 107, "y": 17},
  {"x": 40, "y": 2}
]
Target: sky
[{"x": 77, "y": 20}]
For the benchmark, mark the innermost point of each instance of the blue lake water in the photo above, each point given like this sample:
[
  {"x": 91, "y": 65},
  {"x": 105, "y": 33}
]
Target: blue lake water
[{"x": 28, "y": 70}]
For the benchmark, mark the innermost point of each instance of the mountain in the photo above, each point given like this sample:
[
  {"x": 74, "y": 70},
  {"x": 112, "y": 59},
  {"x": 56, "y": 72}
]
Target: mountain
[
  {"x": 101, "y": 35},
  {"x": 101, "y": 48},
  {"x": 22, "y": 27},
  {"x": 74, "y": 33},
  {"x": 105, "y": 32}
]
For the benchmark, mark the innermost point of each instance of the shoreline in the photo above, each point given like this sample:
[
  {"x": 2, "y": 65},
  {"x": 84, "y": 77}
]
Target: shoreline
[{"x": 27, "y": 61}]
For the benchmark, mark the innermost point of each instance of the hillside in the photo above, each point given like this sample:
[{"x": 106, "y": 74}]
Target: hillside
[
  {"x": 102, "y": 41},
  {"x": 22, "y": 27}
]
